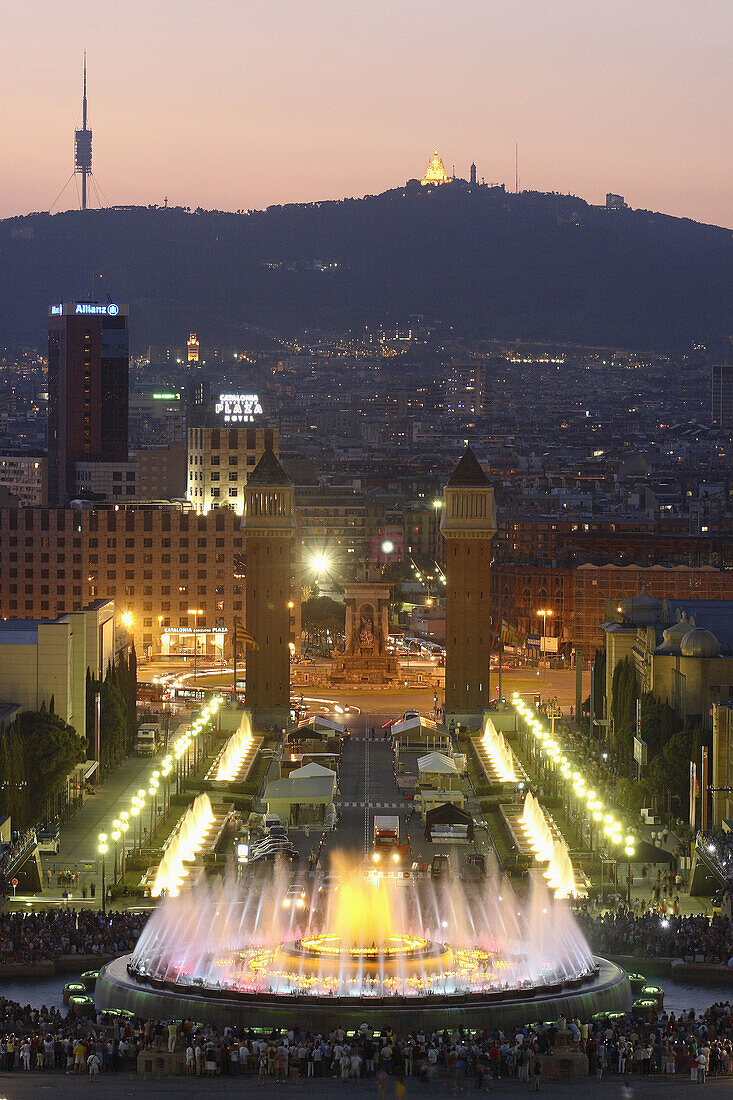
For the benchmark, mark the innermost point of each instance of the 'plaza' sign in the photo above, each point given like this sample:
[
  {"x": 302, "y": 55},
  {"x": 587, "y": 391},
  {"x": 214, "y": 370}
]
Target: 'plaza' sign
[{"x": 238, "y": 408}]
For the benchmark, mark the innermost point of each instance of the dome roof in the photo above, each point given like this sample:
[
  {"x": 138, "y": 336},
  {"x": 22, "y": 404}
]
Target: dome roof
[
  {"x": 673, "y": 636},
  {"x": 642, "y": 608},
  {"x": 699, "y": 643}
]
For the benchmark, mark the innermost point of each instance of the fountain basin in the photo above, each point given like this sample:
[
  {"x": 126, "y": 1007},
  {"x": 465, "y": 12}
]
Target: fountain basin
[{"x": 604, "y": 989}]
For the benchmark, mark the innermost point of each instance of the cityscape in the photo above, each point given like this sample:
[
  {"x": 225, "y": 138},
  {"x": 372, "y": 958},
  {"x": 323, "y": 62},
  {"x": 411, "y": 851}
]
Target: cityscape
[{"x": 366, "y": 578}]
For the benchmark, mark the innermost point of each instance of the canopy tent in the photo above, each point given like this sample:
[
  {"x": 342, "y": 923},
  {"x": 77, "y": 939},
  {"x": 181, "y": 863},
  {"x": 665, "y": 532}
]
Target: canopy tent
[
  {"x": 436, "y": 763},
  {"x": 448, "y": 818}
]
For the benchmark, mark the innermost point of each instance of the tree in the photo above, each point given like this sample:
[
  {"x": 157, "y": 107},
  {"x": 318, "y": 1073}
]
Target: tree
[
  {"x": 39, "y": 752},
  {"x": 320, "y": 615},
  {"x": 113, "y": 721},
  {"x": 623, "y": 708}
]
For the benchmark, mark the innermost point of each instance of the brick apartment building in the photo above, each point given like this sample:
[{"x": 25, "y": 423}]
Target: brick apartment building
[
  {"x": 157, "y": 563},
  {"x": 580, "y": 571}
]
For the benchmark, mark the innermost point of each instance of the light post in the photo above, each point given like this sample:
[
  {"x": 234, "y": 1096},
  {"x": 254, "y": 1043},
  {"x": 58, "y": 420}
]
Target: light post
[
  {"x": 116, "y": 834},
  {"x": 124, "y": 826},
  {"x": 195, "y": 611},
  {"x": 134, "y": 812},
  {"x": 544, "y": 612},
  {"x": 153, "y": 791},
  {"x": 629, "y": 854},
  {"x": 102, "y": 849}
]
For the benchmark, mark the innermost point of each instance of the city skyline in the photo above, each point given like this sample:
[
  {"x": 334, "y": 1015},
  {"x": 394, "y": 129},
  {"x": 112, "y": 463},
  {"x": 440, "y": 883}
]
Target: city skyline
[{"x": 280, "y": 104}]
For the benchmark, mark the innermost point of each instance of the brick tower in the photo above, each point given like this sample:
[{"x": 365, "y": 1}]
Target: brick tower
[
  {"x": 269, "y": 525},
  {"x": 467, "y": 523}
]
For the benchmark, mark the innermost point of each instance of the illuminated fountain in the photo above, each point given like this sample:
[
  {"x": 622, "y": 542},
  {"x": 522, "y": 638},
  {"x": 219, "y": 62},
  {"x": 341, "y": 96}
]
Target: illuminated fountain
[
  {"x": 182, "y": 847},
  {"x": 498, "y": 752},
  {"x": 238, "y": 747},
  {"x": 535, "y": 825},
  {"x": 395, "y": 951},
  {"x": 559, "y": 874},
  {"x": 548, "y": 848}
]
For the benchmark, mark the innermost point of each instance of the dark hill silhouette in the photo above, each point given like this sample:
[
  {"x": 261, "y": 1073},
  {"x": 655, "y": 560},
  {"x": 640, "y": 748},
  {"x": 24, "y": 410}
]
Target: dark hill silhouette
[{"x": 533, "y": 266}]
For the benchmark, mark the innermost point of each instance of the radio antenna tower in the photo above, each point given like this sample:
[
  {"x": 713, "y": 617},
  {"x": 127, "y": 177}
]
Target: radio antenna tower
[
  {"x": 83, "y": 144},
  {"x": 83, "y": 159}
]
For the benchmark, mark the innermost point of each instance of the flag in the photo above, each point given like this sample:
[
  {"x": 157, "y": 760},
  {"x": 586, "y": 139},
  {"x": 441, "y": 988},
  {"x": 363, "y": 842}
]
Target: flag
[
  {"x": 694, "y": 792},
  {"x": 243, "y": 638},
  {"x": 509, "y": 635}
]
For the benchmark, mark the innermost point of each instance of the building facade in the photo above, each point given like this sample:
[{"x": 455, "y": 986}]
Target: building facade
[
  {"x": 44, "y": 660},
  {"x": 25, "y": 475},
  {"x": 220, "y": 460},
  {"x": 88, "y": 367}
]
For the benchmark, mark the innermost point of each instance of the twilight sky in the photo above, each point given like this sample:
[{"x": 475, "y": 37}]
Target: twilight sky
[{"x": 245, "y": 103}]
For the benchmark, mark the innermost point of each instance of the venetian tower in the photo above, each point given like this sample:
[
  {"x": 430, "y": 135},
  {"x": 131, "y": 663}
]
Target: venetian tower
[
  {"x": 467, "y": 523},
  {"x": 269, "y": 525}
]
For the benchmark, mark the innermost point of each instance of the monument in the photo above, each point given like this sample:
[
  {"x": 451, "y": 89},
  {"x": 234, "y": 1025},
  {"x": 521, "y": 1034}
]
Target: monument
[{"x": 365, "y": 659}]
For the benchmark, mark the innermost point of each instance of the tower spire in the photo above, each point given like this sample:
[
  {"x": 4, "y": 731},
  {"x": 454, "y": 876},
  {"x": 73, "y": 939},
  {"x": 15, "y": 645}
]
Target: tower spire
[{"x": 83, "y": 144}]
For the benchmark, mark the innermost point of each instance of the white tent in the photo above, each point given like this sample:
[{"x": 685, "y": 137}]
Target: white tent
[{"x": 436, "y": 763}]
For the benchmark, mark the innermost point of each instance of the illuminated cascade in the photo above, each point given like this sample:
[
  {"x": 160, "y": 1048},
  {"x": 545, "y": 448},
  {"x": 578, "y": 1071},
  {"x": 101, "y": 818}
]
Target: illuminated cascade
[
  {"x": 435, "y": 172},
  {"x": 183, "y": 846},
  {"x": 237, "y": 748},
  {"x": 559, "y": 874},
  {"x": 534, "y": 823},
  {"x": 498, "y": 751}
]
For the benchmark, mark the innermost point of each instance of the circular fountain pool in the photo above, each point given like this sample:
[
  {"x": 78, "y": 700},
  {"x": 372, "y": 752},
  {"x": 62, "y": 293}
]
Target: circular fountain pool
[{"x": 391, "y": 952}]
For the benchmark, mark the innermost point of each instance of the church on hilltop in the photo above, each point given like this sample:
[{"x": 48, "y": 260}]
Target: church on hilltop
[{"x": 435, "y": 172}]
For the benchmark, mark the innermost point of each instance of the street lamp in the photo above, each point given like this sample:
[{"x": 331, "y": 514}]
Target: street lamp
[
  {"x": 102, "y": 849},
  {"x": 135, "y": 811},
  {"x": 127, "y": 619},
  {"x": 195, "y": 611},
  {"x": 116, "y": 834},
  {"x": 629, "y": 853},
  {"x": 124, "y": 826},
  {"x": 545, "y": 613}
]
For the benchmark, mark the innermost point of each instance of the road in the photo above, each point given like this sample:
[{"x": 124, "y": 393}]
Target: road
[{"x": 549, "y": 683}]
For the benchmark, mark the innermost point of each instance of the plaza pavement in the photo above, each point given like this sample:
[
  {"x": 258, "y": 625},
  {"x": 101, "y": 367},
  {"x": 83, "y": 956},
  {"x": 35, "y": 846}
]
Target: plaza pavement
[{"x": 31, "y": 1086}]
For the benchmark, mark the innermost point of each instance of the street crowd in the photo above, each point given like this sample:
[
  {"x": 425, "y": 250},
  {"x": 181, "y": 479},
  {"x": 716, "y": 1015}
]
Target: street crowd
[
  {"x": 696, "y": 938},
  {"x": 36, "y": 937},
  {"x": 46, "y": 1040}
]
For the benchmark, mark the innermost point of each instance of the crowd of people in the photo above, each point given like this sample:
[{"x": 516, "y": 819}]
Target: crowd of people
[
  {"x": 9, "y": 851},
  {"x": 28, "y": 937},
  {"x": 46, "y": 1040},
  {"x": 696, "y": 938}
]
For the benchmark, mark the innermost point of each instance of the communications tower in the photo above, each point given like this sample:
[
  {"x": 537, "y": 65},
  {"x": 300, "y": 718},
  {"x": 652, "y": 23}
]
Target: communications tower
[{"x": 83, "y": 145}]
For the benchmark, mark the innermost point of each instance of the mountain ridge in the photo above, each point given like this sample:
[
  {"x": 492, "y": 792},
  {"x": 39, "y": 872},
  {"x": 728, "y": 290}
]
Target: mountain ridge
[{"x": 492, "y": 264}]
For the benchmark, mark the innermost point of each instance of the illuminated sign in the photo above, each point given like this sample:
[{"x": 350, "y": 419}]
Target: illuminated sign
[
  {"x": 165, "y": 396},
  {"x": 199, "y": 630},
  {"x": 238, "y": 408},
  {"x": 87, "y": 308}
]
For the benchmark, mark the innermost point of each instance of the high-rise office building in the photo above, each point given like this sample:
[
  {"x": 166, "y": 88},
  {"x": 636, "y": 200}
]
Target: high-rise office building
[
  {"x": 721, "y": 393},
  {"x": 88, "y": 368}
]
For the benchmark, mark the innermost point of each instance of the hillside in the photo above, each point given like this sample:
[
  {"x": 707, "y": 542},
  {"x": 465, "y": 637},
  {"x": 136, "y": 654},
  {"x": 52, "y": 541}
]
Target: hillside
[{"x": 492, "y": 264}]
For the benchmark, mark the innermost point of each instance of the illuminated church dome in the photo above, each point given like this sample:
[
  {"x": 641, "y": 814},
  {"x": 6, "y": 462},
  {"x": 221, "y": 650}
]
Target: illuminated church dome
[{"x": 435, "y": 172}]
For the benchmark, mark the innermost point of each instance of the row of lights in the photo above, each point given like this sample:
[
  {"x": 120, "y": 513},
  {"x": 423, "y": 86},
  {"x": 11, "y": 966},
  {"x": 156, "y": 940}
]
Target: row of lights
[
  {"x": 121, "y": 824},
  {"x": 611, "y": 826}
]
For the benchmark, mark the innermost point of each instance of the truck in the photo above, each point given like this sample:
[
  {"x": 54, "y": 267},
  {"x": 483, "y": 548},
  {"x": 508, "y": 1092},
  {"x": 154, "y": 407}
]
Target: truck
[
  {"x": 149, "y": 739},
  {"x": 386, "y": 832}
]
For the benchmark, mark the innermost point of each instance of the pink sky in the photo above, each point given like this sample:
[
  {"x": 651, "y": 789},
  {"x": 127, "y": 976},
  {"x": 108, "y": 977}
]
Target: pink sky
[{"x": 245, "y": 103}]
